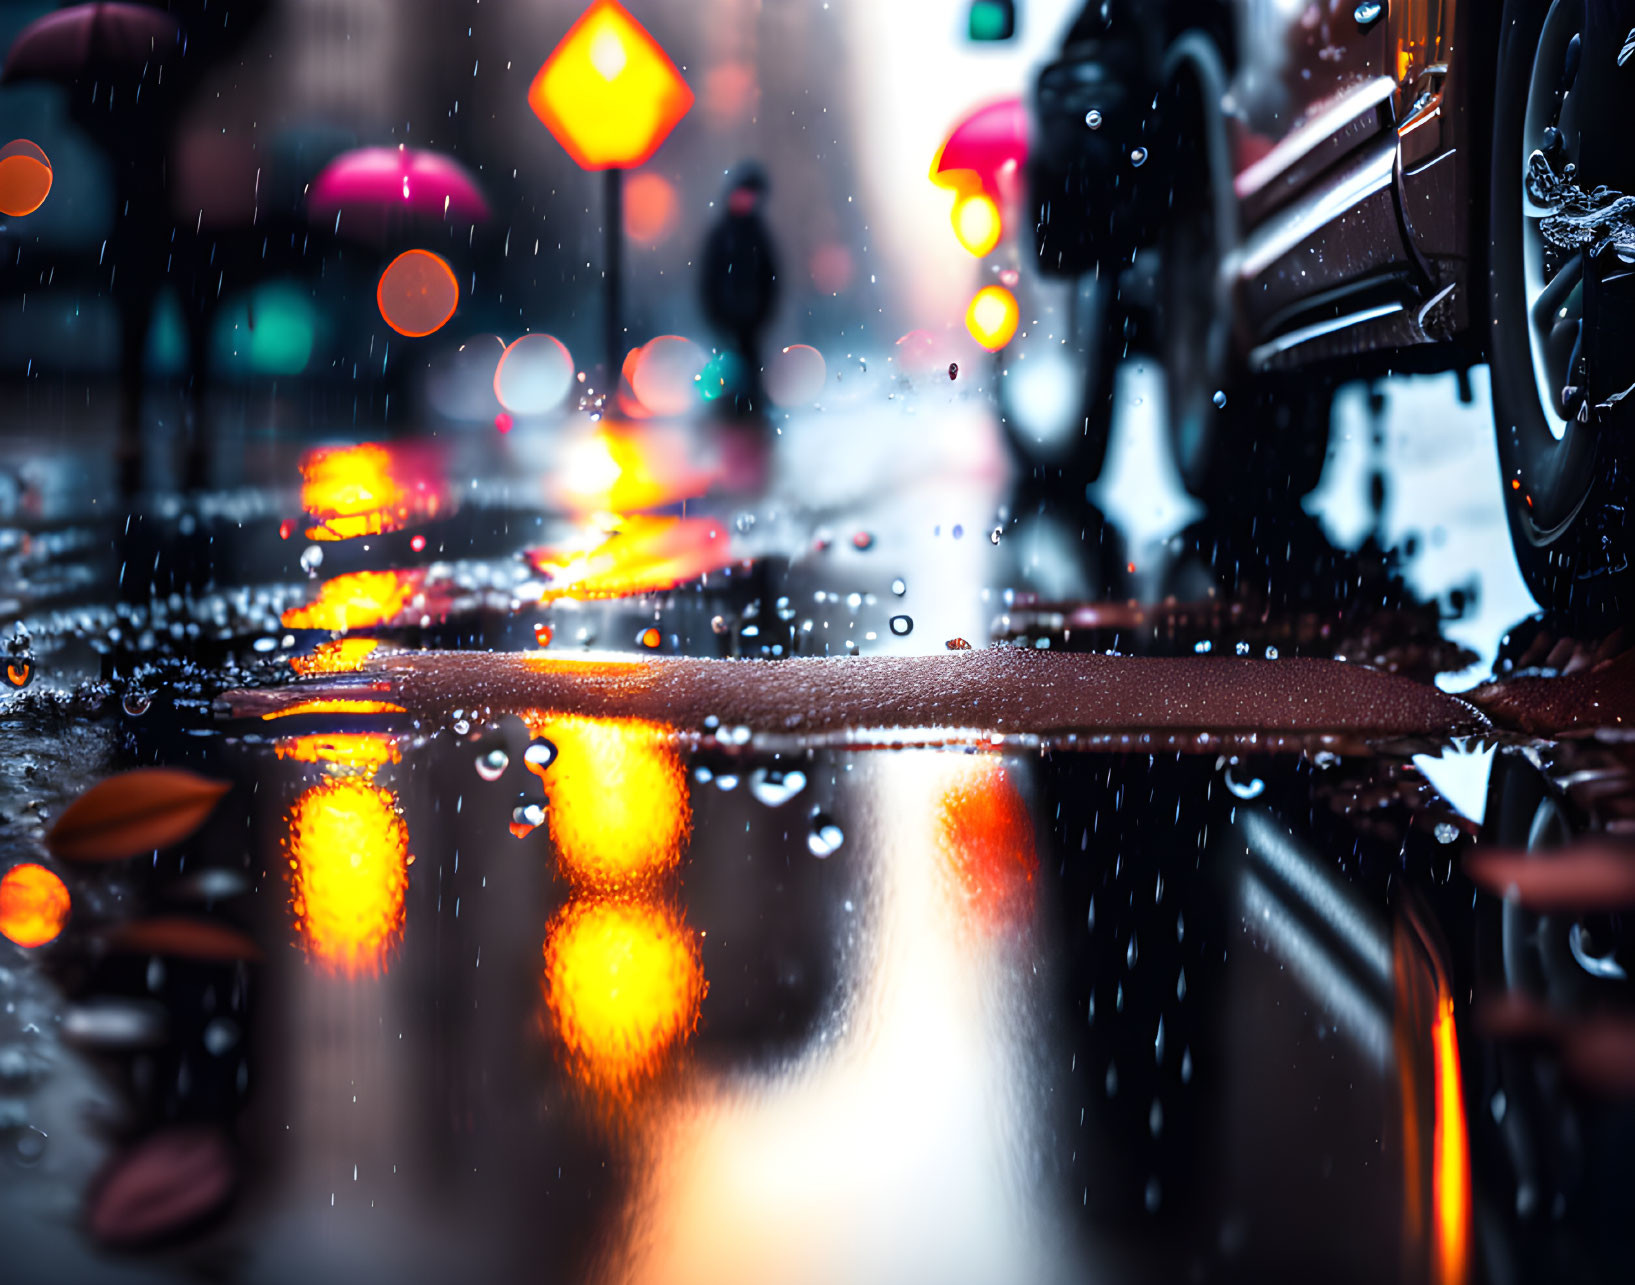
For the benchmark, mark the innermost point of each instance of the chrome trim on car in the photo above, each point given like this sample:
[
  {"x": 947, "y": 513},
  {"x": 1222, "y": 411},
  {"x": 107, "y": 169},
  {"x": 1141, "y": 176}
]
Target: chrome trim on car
[
  {"x": 1262, "y": 356},
  {"x": 1277, "y": 237},
  {"x": 1313, "y": 134}
]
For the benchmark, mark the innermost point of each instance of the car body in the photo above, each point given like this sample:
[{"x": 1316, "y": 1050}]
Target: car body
[{"x": 1317, "y": 186}]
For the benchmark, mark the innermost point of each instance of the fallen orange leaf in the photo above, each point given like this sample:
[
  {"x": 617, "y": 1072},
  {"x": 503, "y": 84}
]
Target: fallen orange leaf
[{"x": 133, "y": 813}]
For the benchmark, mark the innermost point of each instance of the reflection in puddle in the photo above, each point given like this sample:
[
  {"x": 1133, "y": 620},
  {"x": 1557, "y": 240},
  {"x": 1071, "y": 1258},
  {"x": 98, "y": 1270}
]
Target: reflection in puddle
[
  {"x": 367, "y": 489},
  {"x": 349, "y": 855},
  {"x": 623, "y": 984},
  {"x": 358, "y": 600},
  {"x": 619, "y": 811}
]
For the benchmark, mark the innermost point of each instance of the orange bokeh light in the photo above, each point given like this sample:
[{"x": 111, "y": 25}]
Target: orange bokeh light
[
  {"x": 637, "y": 554},
  {"x": 337, "y": 656},
  {"x": 358, "y": 600},
  {"x": 623, "y": 985},
  {"x": 34, "y": 905},
  {"x": 361, "y": 751},
  {"x": 25, "y": 178},
  {"x": 619, "y": 811},
  {"x": 366, "y": 489},
  {"x": 349, "y": 872},
  {"x": 992, "y": 317},
  {"x": 418, "y": 293},
  {"x": 986, "y": 837},
  {"x": 650, "y": 208},
  {"x": 609, "y": 92}
]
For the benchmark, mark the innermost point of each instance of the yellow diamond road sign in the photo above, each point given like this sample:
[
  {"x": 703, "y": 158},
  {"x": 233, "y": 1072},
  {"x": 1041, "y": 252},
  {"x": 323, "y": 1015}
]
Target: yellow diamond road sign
[{"x": 608, "y": 91}]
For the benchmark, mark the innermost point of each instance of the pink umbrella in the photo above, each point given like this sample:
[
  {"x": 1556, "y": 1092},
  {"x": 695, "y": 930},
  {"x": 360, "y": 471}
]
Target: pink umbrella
[
  {"x": 989, "y": 142},
  {"x": 90, "y": 41},
  {"x": 376, "y": 189}
]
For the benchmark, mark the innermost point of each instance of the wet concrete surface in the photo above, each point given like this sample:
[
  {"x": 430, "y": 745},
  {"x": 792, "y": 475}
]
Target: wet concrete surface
[{"x": 1221, "y": 940}]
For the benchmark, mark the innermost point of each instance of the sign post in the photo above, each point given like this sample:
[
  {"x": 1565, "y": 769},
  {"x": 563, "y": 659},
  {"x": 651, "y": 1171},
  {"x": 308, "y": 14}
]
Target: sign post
[{"x": 610, "y": 95}]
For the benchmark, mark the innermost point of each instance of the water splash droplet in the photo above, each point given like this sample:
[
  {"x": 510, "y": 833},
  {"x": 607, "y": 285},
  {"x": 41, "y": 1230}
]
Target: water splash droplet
[
  {"x": 902, "y": 626},
  {"x": 1092, "y": 118},
  {"x": 491, "y": 764},
  {"x": 825, "y": 837},
  {"x": 775, "y": 788}
]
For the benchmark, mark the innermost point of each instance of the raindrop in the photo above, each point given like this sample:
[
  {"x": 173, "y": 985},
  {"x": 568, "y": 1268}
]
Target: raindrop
[
  {"x": 136, "y": 703},
  {"x": 863, "y": 541},
  {"x": 491, "y": 764},
  {"x": 29, "y": 1145},
  {"x": 1219, "y": 399},
  {"x": 1325, "y": 759},
  {"x": 1186, "y": 1066},
  {"x": 1155, "y": 1194},
  {"x": 719, "y": 624},
  {"x": 744, "y": 522},
  {"x": 1092, "y": 118},
  {"x": 953, "y": 370},
  {"x": 1446, "y": 832},
  {"x": 1090, "y": 919},
  {"x": 1271, "y": 653},
  {"x": 902, "y": 626},
  {"x": 996, "y": 535},
  {"x": 1253, "y": 788},
  {"x": 775, "y": 788},
  {"x": 1181, "y": 985},
  {"x": 1131, "y": 952},
  {"x": 312, "y": 557},
  {"x": 726, "y": 781},
  {"x": 1498, "y": 1104},
  {"x": 1158, "y": 1044},
  {"x": 1138, "y": 156},
  {"x": 825, "y": 837},
  {"x": 540, "y": 754},
  {"x": 526, "y": 818},
  {"x": 1155, "y": 1124},
  {"x": 1112, "y": 1080},
  {"x": 899, "y": 586}
]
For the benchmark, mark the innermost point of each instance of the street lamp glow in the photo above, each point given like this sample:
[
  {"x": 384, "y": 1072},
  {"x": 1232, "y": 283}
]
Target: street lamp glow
[{"x": 992, "y": 317}]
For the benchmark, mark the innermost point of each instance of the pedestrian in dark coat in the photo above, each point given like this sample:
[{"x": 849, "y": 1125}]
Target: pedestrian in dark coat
[{"x": 740, "y": 278}]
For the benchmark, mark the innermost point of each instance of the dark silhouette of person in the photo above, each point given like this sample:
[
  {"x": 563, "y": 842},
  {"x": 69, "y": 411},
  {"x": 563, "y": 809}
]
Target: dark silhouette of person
[{"x": 740, "y": 281}]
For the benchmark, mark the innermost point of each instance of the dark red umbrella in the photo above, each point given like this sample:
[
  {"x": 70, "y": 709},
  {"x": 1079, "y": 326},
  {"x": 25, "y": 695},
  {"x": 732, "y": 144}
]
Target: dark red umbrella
[
  {"x": 90, "y": 42},
  {"x": 376, "y": 190}
]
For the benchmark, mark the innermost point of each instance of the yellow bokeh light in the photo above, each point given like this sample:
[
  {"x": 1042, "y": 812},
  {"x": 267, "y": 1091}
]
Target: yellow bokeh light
[
  {"x": 619, "y": 812},
  {"x": 353, "y": 491},
  {"x": 337, "y": 656},
  {"x": 623, "y": 985},
  {"x": 334, "y": 705},
  {"x": 33, "y": 905},
  {"x": 358, "y": 600},
  {"x": 608, "y": 92},
  {"x": 641, "y": 553},
  {"x": 977, "y": 223},
  {"x": 349, "y": 872},
  {"x": 360, "y": 751},
  {"x": 992, "y": 317}
]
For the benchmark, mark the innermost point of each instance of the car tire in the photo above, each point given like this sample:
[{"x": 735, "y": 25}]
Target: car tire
[
  {"x": 1563, "y": 444},
  {"x": 1234, "y": 435}
]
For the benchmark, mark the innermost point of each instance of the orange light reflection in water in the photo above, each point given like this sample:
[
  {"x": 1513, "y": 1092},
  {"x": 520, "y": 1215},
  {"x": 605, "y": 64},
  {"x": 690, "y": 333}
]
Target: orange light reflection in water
[
  {"x": 624, "y": 467},
  {"x": 986, "y": 837},
  {"x": 338, "y": 656},
  {"x": 623, "y": 985},
  {"x": 352, "y": 491},
  {"x": 639, "y": 554},
  {"x": 349, "y": 857},
  {"x": 619, "y": 813},
  {"x": 357, "y": 600},
  {"x": 34, "y": 905},
  {"x": 357, "y": 751},
  {"x": 1451, "y": 1159},
  {"x": 334, "y": 706}
]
